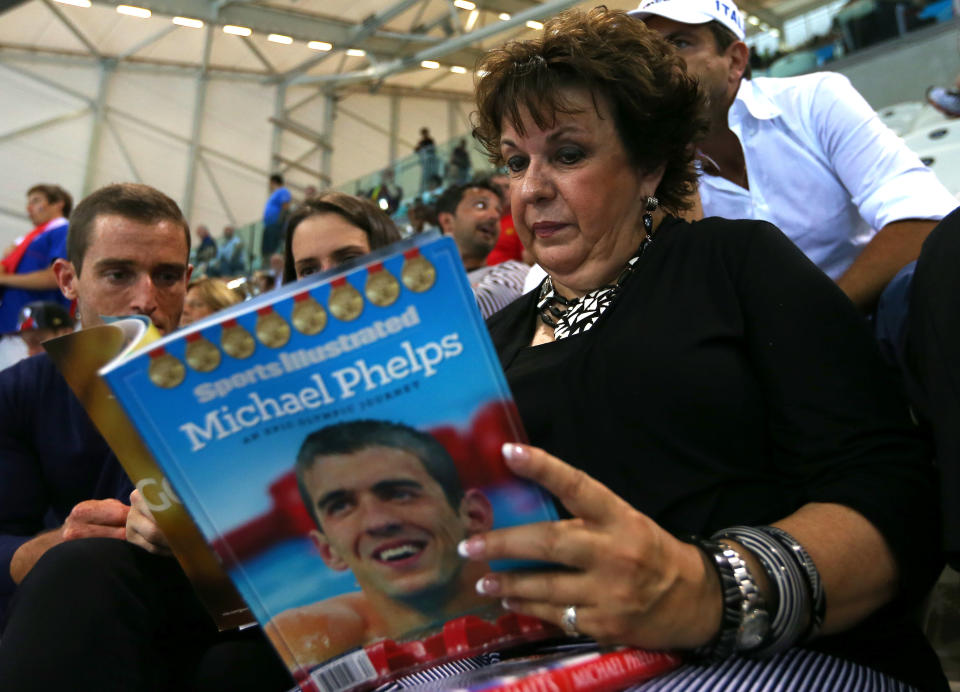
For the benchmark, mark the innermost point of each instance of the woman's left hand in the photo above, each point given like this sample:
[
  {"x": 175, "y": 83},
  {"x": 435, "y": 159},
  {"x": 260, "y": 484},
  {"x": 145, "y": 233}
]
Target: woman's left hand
[{"x": 631, "y": 581}]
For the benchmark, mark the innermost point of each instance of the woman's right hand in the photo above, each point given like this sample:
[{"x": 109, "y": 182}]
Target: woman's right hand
[{"x": 631, "y": 581}]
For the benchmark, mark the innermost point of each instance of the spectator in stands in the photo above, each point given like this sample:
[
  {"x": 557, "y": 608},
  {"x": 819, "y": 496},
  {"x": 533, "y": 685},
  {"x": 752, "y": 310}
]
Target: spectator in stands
[
  {"x": 26, "y": 272},
  {"x": 426, "y": 149},
  {"x": 276, "y": 268},
  {"x": 508, "y": 245},
  {"x": 230, "y": 260},
  {"x": 805, "y": 153},
  {"x": 207, "y": 249},
  {"x": 387, "y": 195},
  {"x": 458, "y": 170},
  {"x": 699, "y": 379},
  {"x": 330, "y": 229},
  {"x": 40, "y": 321},
  {"x": 99, "y": 569},
  {"x": 274, "y": 216},
  {"x": 262, "y": 281},
  {"x": 204, "y": 297},
  {"x": 470, "y": 214}
]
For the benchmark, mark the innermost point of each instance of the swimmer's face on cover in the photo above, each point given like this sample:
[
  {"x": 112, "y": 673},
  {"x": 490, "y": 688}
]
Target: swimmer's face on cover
[{"x": 384, "y": 517}]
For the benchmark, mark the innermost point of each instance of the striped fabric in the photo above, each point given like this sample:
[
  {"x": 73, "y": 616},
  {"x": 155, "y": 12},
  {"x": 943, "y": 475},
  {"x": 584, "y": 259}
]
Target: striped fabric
[
  {"x": 795, "y": 670},
  {"x": 445, "y": 670},
  {"x": 497, "y": 286}
]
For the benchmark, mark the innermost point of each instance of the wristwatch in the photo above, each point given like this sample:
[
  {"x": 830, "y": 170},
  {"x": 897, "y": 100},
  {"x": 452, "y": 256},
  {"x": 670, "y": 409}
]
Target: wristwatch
[
  {"x": 745, "y": 624},
  {"x": 754, "y": 618}
]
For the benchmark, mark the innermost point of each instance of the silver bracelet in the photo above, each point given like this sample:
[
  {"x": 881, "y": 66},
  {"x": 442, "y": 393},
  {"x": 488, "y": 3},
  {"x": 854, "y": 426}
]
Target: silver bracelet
[
  {"x": 793, "y": 600},
  {"x": 814, "y": 582}
]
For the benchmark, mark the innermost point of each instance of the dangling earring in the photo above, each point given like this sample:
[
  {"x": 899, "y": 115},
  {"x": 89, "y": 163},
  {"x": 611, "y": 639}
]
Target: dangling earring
[{"x": 651, "y": 206}]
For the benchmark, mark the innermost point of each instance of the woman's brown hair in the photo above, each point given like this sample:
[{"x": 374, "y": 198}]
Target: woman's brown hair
[
  {"x": 362, "y": 213},
  {"x": 657, "y": 107}
]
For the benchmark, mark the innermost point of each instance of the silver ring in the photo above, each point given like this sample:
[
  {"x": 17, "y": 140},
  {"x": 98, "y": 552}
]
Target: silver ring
[{"x": 569, "y": 621}]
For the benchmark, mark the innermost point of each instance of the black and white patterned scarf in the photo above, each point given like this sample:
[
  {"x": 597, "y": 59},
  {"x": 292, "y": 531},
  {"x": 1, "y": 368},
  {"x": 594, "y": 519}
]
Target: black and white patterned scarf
[{"x": 578, "y": 315}]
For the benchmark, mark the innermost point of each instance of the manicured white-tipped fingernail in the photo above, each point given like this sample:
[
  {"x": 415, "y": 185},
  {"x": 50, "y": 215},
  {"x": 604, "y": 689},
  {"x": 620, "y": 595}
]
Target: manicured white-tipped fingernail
[
  {"x": 470, "y": 547},
  {"x": 514, "y": 452},
  {"x": 487, "y": 586}
]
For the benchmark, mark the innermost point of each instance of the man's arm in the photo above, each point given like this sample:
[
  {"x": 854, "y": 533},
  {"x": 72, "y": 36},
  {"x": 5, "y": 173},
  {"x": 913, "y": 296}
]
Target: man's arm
[
  {"x": 88, "y": 519},
  {"x": 40, "y": 280},
  {"x": 892, "y": 248},
  {"x": 892, "y": 189}
]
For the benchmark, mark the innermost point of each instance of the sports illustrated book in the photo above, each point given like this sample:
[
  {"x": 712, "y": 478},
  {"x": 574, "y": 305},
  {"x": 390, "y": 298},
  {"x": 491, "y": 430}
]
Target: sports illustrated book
[{"x": 334, "y": 440}]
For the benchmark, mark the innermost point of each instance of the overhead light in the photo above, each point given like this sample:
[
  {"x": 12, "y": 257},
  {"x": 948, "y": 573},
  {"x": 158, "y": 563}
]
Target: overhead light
[
  {"x": 319, "y": 45},
  {"x": 505, "y": 16},
  {"x": 280, "y": 38},
  {"x": 383, "y": 204},
  {"x": 754, "y": 21},
  {"x": 186, "y": 21},
  {"x": 764, "y": 27},
  {"x": 75, "y": 3},
  {"x": 237, "y": 30},
  {"x": 775, "y": 32},
  {"x": 536, "y": 26},
  {"x": 140, "y": 12},
  {"x": 430, "y": 64},
  {"x": 458, "y": 70},
  {"x": 472, "y": 20},
  {"x": 465, "y": 4},
  {"x": 356, "y": 52}
]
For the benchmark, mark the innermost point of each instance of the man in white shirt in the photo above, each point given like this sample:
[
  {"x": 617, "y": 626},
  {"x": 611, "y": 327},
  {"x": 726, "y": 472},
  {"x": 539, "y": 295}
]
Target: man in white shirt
[{"x": 806, "y": 153}]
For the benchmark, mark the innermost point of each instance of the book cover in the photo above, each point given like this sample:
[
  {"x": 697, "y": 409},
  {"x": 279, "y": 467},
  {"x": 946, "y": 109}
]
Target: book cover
[
  {"x": 79, "y": 356},
  {"x": 334, "y": 440}
]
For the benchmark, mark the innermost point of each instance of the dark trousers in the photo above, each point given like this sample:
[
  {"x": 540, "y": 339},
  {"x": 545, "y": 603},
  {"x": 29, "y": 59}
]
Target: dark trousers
[
  {"x": 102, "y": 614},
  {"x": 933, "y": 362}
]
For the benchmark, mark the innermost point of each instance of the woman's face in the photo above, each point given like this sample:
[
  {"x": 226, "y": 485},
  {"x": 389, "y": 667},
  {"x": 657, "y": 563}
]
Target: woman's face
[
  {"x": 577, "y": 201},
  {"x": 194, "y": 308},
  {"x": 323, "y": 241}
]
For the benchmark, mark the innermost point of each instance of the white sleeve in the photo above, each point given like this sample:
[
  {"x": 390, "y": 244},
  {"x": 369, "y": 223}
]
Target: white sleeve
[{"x": 886, "y": 180}]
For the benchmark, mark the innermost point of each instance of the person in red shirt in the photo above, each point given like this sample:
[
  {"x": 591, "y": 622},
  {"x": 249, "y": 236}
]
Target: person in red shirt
[{"x": 508, "y": 245}]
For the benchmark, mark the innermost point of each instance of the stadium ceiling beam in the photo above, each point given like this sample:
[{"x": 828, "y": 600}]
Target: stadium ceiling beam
[
  {"x": 73, "y": 29},
  {"x": 511, "y": 7},
  {"x": 149, "y": 40},
  {"x": 43, "y": 124},
  {"x": 259, "y": 55},
  {"x": 356, "y": 35},
  {"x": 13, "y": 55},
  {"x": 535, "y": 12},
  {"x": 266, "y": 19}
]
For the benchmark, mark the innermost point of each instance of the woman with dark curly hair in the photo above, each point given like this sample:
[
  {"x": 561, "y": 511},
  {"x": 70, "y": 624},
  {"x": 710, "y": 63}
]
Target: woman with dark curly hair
[
  {"x": 742, "y": 477},
  {"x": 331, "y": 228}
]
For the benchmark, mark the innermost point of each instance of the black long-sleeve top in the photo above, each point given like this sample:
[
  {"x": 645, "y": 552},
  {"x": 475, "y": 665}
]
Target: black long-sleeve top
[{"x": 731, "y": 383}]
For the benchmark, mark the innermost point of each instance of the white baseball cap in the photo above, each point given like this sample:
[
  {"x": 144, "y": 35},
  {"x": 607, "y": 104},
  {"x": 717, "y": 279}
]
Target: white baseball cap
[{"x": 694, "y": 12}]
